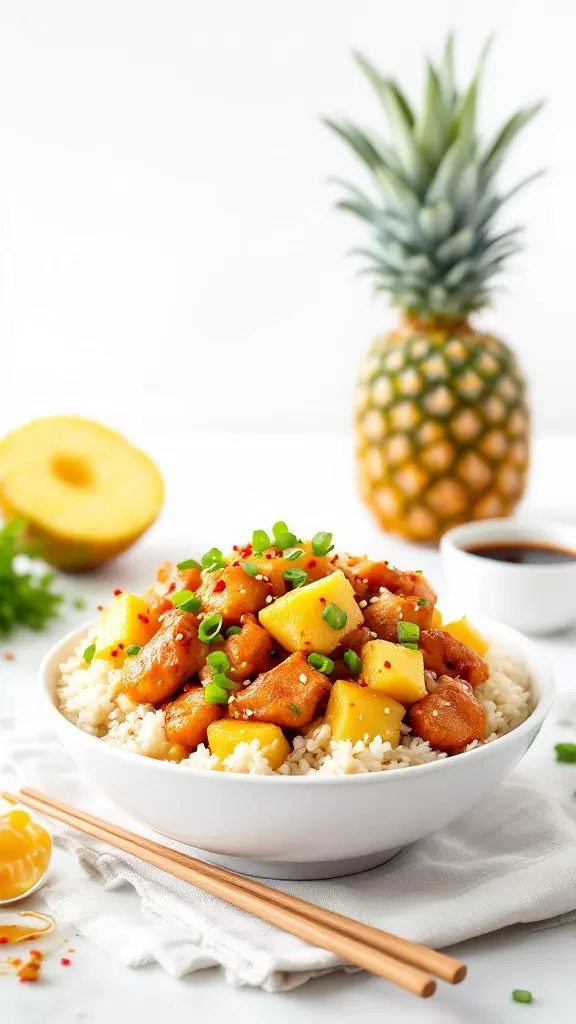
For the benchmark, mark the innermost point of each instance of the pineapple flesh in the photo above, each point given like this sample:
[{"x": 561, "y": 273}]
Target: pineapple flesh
[{"x": 442, "y": 418}]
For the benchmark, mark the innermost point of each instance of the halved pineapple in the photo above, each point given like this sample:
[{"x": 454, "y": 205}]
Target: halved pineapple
[{"x": 86, "y": 493}]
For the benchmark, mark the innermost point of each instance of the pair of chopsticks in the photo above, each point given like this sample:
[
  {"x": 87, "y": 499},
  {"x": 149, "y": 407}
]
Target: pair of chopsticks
[{"x": 404, "y": 963}]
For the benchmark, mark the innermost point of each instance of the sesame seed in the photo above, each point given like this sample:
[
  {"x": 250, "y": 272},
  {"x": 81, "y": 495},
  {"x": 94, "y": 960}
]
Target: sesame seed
[
  {"x": 361, "y": 717},
  {"x": 416, "y": 608},
  {"x": 231, "y": 698},
  {"x": 363, "y": 581},
  {"x": 259, "y": 576},
  {"x": 374, "y": 635},
  {"x": 269, "y": 599},
  {"x": 362, "y": 604},
  {"x": 303, "y": 678},
  {"x": 386, "y": 711},
  {"x": 400, "y": 615},
  {"x": 382, "y": 590},
  {"x": 374, "y": 600},
  {"x": 434, "y": 714},
  {"x": 179, "y": 636},
  {"x": 200, "y": 616},
  {"x": 249, "y": 713}
]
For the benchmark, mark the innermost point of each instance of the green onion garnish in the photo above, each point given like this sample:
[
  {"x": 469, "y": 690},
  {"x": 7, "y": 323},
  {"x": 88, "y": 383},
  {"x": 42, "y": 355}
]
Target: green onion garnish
[
  {"x": 89, "y": 653},
  {"x": 209, "y": 628},
  {"x": 212, "y": 560},
  {"x": 221, "y": 680},
  {"x": 291, "y": 554},
  {"x": 214, "y": 694},
  {"x": 232, "y": 630},
  {"x": 78, "y": 603},
  {"x": 260, "y": 541},
  {"x": 279, "y": 528},
  {"x": 285, "y": 540},
  {"x": 188, "y": 563},
  {"x": 422, "y": 602},
  {"x": 408, "y": 632},
  {"x": 294, "y": 709},
  {"x": 419, "y": 572},
  {"x": 335, "y": 617},
  {"x": 521, "y": 995},
  {"x": 411, "y": 647},
  {"x": 321, "y": 662},
  {"x": 322, "y": 543},
  {"x": 133, "y": 649},
  {"x": 353, "y": 662},
  {"x": 186, "y": 600},
  {"x": 250, "y": 568},
  {"x": 565, "y": 752},
  {"x": 218, "y": 661},
  {"x": 297, "y": 577}
]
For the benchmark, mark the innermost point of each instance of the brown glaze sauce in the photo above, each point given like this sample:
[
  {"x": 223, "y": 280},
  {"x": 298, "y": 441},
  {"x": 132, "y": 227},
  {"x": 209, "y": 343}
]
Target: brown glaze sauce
[{"x": 523, "y": 553}]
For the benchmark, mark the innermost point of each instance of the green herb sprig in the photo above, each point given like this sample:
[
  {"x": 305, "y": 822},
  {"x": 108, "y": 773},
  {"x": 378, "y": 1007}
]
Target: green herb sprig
[{"x": 26, "y": 596}]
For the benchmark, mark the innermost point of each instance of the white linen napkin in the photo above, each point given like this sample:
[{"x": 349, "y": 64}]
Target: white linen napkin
[{"x": 511, "y": 860}]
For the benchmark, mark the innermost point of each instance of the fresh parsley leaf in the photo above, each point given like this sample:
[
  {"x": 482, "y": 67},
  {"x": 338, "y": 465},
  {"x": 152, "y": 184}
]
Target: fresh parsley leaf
[{"x": 26, "y": 596}]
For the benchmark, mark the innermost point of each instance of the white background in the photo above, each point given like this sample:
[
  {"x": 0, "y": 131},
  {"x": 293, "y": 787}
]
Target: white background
[{"x": 165, "y": 218}]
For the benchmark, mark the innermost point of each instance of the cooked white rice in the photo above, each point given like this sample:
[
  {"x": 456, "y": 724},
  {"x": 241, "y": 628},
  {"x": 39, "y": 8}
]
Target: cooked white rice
[{"x": 90, "y": 697}]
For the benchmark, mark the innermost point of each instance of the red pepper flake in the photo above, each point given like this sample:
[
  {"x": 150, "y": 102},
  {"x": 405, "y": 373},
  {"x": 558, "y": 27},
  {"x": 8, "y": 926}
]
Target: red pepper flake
[
  {"x": 3, "y": 940},
  {"x": 278, "y": 552},
  {"x": 311, "y": 563},
  {"x": 99, "y": 607},
  {"x": 172, "y": 588},
  {"x": 322, "y": 600},
  {"x": 114, "y": 654},
  {"x": 8, "y": 656},
  {"x": 362, "y": 683},
  {"x": 117, "y": 592},
  {"x": 268, "y": 556},
  {"x": 246, "y": 551},
  {"x": 143, "y": 618},
  {"x": 387, "y": 664},
  {"x": 235, "y": 563},
  {"x": 235, "y": 547},
  {"x": 219, "y": 586},
  {"x": 65, "y": 961},
  {"x": 120, "y": 647}
]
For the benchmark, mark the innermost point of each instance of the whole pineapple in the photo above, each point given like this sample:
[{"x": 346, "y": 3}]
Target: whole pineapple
[{"x": 442, "y": 418}]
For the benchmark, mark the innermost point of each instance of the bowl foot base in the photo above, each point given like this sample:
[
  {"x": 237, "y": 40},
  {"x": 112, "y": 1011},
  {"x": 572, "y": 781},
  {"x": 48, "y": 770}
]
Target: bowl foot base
[{"x": 295, "y": 871}]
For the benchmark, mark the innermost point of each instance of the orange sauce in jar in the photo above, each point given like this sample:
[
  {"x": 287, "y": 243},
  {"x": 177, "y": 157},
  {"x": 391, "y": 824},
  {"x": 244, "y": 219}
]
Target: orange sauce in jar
[{"x": 25, "y": 849}]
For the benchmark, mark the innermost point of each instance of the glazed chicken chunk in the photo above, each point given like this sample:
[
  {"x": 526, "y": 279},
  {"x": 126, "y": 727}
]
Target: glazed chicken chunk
[
  {"x": 231, "y": 593},
  {"x": 249, "y": 650},
  {"x": 449, "y": 717},
  {"x": 287, "y": 695},
  {"x": 447, "y": 656},
  {"x": 187, "y": 718},
  {"x": 172, "y": 655}
]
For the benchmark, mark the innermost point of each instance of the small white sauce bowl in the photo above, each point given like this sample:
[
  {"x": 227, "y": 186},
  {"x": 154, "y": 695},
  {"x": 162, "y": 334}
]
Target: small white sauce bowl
[
  {"x": 300, "y": 827},
  {"x": 534, "y": 598}
]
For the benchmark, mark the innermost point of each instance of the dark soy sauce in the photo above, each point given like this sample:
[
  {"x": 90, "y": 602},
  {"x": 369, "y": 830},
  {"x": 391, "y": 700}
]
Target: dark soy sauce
[{"x": 523, "y": 553}]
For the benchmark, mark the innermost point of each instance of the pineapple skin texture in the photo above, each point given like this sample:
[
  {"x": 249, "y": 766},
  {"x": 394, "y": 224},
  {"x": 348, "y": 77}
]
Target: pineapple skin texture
[{"x": 442, "y": 429}]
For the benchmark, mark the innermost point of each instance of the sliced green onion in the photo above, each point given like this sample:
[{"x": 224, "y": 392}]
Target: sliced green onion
[
  {"x": 133, "y": 649},
  {"x": 279, "y": 528},
  {"x": 565, "y": 752},
  {"x": 294, "y": 709},
  {"x": 422, "y": 602},
  {"x": 78, "y": 603},
  {"x": 408, "y": 632},
  {"x": 419, "y": 572},
  {"x": 218, "y": 661},
  {"x": 214, "y": 694},
  {"x": 213, "y": 560},
  {"x": 188, "y": 563},
  {"x": 291, "y": 554},
  {"x": 521, "y": 995},
  {"x": 411, "y": 647},
  {"x": 322, "y": 543},
  {"x": 353, "y": 662},
  {"x": 186, "y": 600},
  {"x": 260, "y": 541},
  {"x": 221, "y": 680},
  {"x": 321, "y": 662},
  {"x": 335, "y": 616},
  {"x": 250, "y": 568},
  {"x": 89, "y": 653},
  {"x": 232, "y": 630},
  {"x": 285, "y": 540},
  {"x": 209, "y": 628},
  {"x": 297, "y": 577}
]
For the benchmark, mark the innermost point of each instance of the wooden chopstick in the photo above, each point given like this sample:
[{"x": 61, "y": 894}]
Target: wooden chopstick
[{"x": 361, "y": 944}]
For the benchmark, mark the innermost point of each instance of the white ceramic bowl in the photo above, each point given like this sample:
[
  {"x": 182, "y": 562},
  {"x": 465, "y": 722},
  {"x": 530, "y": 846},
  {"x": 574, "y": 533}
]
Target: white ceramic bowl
[
  {"x": 533, "y": 598},
  {"x": 301, "y": 827}
]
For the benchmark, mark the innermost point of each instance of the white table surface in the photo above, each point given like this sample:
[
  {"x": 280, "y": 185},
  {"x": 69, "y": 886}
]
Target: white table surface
[{"x": 307, "y": 481}]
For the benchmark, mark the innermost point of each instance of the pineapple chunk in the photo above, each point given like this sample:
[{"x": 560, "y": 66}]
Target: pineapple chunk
[
  {"x": 394, "y": 670},
  {"x": 225, "y": 735},
  {"x": 125, "y": 621},
  {"x": 436, "y": 619},
  {"x": 295, "y": 620},
  {"x": 466, "y": 633},
  {"x": 356, "y": 711}
]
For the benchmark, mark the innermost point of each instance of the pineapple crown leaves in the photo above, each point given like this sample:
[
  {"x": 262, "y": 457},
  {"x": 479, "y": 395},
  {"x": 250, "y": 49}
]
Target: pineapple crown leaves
[{"x": 434, "y": 196}]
